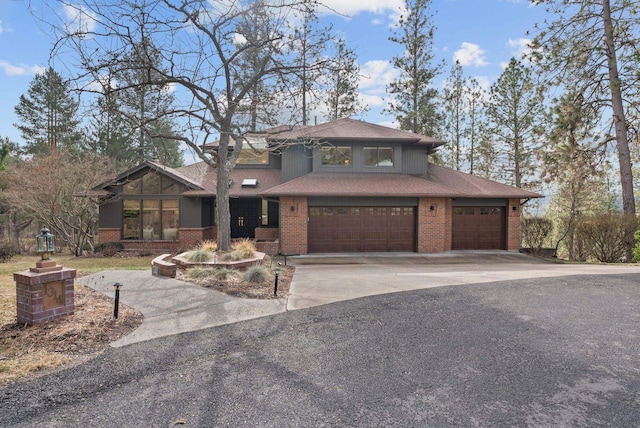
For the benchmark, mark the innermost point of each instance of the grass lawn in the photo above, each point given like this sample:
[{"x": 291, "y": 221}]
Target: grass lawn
[{"x": 25, "y": 350}]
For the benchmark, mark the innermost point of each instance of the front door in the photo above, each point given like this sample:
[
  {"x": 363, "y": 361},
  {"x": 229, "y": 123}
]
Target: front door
[{"x": 245, "y": 217}]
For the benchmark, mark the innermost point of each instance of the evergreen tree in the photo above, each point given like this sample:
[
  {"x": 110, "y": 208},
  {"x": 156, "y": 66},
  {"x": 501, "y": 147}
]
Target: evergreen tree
[
  {"x": 514, "y": 112},
  {"x": 592, "y": 47},
  {"x": 147, "y": 105},
  {"x": 454, "y": 108},
  {"x": 474, "y": 95},
  {"x": 414, "y": 97},
  {"x": 308, "y": 45},
  {"x": 108, "y": 132},
  {"x": 342, "y": 89},
  {"x": 48, "y": 115},
  {"x": 572, "y": 162}
]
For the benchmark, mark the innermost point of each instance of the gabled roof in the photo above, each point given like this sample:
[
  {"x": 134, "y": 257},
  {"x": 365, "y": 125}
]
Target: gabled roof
[
  {"x": 350, "y": 130},
  {"x": 101, "y": 189},
  {"x": 439, "y": 182}
]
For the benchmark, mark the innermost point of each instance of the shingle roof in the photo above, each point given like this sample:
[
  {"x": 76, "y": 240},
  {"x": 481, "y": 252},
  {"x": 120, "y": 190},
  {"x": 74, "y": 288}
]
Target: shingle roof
[
  {"x": 351, "y": 130},
  {"x": 205, "y": 176},
  {"x": 440, "y": 182}
]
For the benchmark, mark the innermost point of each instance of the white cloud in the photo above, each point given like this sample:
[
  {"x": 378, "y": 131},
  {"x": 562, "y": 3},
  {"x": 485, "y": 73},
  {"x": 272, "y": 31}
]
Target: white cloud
[
  {"x": 20, "y": 70},
  {"x": 79, "y": 19},
  {"x": 353, "y": 7},
  {"x": 470, "y": 54},
  {"x": 376, "y": 74},
  {"x": 1, "y": 28},
  {"x": 519, "y": 47}
]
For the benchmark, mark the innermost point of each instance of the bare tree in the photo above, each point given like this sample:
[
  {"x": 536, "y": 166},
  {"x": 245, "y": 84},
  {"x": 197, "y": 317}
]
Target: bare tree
[
  {"x": 44, "y": 188},
  {"x": 202, "y": 48}
]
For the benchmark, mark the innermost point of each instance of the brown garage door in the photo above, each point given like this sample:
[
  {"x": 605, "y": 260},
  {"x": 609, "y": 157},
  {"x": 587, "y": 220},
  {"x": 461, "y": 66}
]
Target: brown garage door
[
  {"x": 478, "y": 228},
  {"x": 361, "y": 229}
]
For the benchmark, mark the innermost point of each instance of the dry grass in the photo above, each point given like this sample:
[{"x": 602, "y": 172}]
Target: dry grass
[
  {"x": 27, "y": 350},
  {"x": 233, "y": 282}
]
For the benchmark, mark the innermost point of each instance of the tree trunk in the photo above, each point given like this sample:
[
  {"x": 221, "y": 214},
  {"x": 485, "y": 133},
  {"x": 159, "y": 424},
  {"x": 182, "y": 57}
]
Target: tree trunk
[
  {"x": 622, "y": 142},
  {"x": 223, "y": 213}
]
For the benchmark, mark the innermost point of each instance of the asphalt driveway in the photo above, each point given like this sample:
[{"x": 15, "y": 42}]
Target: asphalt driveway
[{"x": 545, "y": 352}]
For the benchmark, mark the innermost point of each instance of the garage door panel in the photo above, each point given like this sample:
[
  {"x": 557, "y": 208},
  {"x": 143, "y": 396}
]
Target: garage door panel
[
  {"x": 478, "y": 228},
  {"x": 361, "y": 229}
]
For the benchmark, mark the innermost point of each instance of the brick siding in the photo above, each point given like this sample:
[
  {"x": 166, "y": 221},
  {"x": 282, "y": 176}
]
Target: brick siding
[
  {"x": 434, "y": 225},
  {"x": 294, "y": 217},
  {"x": 513, "y": 225}
]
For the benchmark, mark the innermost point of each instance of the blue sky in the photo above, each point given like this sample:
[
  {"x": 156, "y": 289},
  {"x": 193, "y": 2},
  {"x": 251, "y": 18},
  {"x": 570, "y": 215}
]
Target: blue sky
[{"x": 482, "y": 34}]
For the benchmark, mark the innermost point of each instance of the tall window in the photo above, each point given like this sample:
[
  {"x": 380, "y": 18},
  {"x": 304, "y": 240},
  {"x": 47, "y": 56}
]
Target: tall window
[
  {"x": 378, "y": 156},
  {"x": 338, "y": 156},
  {"x": 145, "y": 215}
]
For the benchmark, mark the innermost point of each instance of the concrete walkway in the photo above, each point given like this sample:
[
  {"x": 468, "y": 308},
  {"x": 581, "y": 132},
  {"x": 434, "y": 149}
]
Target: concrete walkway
[
  {"x": 324, "y": 279},
  {"x": 171, "y": 306}
]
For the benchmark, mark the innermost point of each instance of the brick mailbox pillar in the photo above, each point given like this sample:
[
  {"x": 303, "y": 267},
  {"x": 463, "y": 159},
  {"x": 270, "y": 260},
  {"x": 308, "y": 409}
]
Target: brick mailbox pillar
[{"x": 44, "y": 292}]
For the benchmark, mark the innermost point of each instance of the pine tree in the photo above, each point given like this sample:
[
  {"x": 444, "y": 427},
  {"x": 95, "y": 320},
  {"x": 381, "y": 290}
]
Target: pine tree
[
  {"x": 454, "y": 108},
  {"x": 342, "y": 89},
  {"x": 108, "y": 132},
  {"x": 148, "y": 105},
  {"x": 308, "y": 44},
  {"x": 414, "y": 97},
  {"x": 592, "y": 47},
  {"x": 514, "y": 111},
  {"x": 475, "y": 95},
  {"x": 572, "y": 162},
  {"x": 48, "y": 115}
]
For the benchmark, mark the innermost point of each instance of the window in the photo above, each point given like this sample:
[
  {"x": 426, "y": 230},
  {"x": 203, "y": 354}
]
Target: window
[
  {"x": 254, "y": 153},
  {"x": 150, "y": 219},
  {"x": 151, "y": 184},
  {"x": 337, "y": 156},
  {"x": 378, "y": 156}
]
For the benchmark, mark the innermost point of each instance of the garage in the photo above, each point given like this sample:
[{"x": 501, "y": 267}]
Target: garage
[
  {"x": 361, "y": 229},
  {"x": 479, "y": 228}
]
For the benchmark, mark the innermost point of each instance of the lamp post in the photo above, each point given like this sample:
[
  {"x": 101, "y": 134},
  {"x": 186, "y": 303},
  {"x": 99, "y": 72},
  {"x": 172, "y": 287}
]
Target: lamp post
[{"x": 45, "y": 244}]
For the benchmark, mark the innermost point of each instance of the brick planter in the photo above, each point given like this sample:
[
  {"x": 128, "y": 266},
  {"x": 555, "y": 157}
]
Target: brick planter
[{"x": 43, "y": 294}]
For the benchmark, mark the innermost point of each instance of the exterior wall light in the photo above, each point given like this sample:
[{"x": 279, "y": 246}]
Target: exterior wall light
[{"x": 45, "y": 244}]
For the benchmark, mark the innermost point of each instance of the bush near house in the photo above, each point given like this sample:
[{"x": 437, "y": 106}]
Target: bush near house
[
  {"x": 608, "y": 237},
  {"x": 8, "y": 250},
  {"x": 535, "y": 231}
]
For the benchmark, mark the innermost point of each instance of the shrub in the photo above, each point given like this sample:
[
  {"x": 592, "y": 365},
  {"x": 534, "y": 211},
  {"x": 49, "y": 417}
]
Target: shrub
[
  {"x": 223, "y": 273},
  {"x": 209, "y": 246},
  {"x": 199, "y": 272},
  {"x": 8, "y": 250},
  {"x": 199, "y": 255},
  {"x": 535, "y": 231},
  {"x": 256, "y": 274},
  {"x": 636, "y": 250},
  {"x": 108, "y": 248},
  {"x": 230, "y": 257},
  {"x": 245, "y": 248},
  {"x": 608, "y": 237}
]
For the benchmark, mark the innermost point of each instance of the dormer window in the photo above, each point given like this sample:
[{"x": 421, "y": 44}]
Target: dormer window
[
  {"x": 250, "y": 182},
  {"x": 378, "y": 156},
  {"x": 254, "y": 153}
]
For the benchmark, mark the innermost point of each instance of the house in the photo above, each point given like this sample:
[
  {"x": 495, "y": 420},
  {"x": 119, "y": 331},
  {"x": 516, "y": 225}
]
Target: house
[{"x": 342, "y": 186}]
